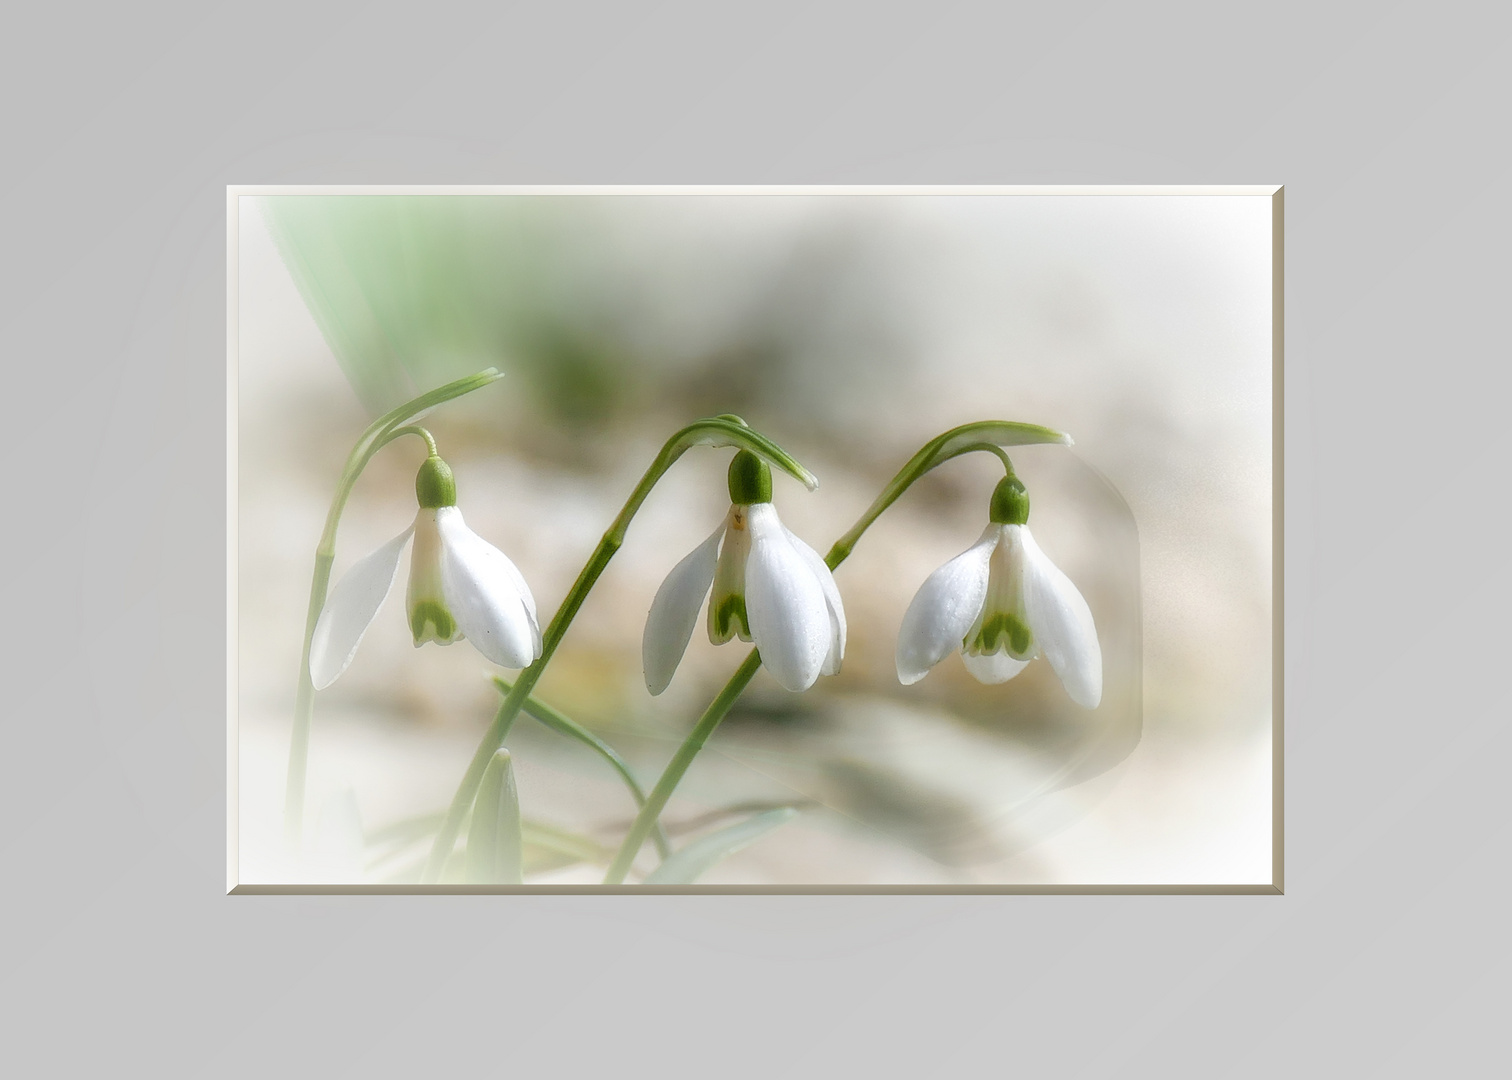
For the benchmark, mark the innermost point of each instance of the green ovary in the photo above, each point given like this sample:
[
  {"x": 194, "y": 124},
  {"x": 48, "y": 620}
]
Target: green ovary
[
  {"x": 1001, "y": 625},
  {"x": 431, "y": 621}
]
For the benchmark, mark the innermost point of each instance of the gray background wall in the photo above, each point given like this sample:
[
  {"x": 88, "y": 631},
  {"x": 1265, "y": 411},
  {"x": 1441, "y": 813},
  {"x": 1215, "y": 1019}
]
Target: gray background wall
[{"x": 123, "y": 129}]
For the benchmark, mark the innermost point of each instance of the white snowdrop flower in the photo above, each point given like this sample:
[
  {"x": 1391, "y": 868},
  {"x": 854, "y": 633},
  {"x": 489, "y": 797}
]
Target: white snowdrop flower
[
  {"x": 767, "y": 585},
  {"x": 460, "y": 586},
  {"x": 1002, "y": 602}
]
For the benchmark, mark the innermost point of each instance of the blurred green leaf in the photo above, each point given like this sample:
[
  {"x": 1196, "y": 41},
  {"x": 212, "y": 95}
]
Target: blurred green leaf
[
  {"x": 544, "y": 847},
  {"x": 408, "y": 290},
  {"x": 689, "y": 864},
  {"x": 548, "y": 847},
  {"x": 937, "y": 451},
  {"x": 564, "y": 725},
  {"x": 494, "y": 854}
]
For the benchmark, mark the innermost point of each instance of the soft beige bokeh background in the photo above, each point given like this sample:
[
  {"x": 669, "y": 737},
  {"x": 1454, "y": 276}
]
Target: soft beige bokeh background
[{"x": 851, "y": 330}]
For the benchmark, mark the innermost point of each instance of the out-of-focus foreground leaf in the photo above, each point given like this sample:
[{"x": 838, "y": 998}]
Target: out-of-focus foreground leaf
[
  {"x": 689, "y": 864},
  {"x": 494, "y": 842},
  {"x": 410, "y": 291}
]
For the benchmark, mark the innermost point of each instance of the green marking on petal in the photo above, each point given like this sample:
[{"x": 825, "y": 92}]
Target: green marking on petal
[
  {"x": 731, "y": 609},
  {"x": 1002, "y": 630},
  {"x": 1019, "y": 638},
  {"x": 431, "y": 621}
]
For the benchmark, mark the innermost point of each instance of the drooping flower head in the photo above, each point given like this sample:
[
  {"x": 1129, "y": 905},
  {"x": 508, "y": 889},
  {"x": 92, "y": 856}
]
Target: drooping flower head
[
  {"x": 459, "y": 586},
  {"x": 767, "y": 586},
  {"x": 1002, "y": 602}
]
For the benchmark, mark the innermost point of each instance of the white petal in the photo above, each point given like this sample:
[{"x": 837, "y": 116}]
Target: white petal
[
  {"x": 831, "y": 599},
  {"x": 790, "y": 619},
  {"x": 729, "y": 578},
  {"x": 1062, "y": 624},
  {"x": 525, "y": 597},
  {"x": 674, "y": 612},
  {"x": 350, "y": 609},
  {"x": 993, "y": 668},
  {"x": 425, "y": 579},
  {"x": 944, "y": 608},
  {"x": 483, "y": 591}
]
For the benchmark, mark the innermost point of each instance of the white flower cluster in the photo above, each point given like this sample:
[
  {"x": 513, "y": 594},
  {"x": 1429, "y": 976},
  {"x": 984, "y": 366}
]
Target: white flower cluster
[{"x": 1001, "y": 602}]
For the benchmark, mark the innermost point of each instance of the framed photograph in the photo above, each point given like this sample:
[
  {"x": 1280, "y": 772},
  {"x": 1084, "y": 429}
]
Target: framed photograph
[{"x": 744, "y": 540}]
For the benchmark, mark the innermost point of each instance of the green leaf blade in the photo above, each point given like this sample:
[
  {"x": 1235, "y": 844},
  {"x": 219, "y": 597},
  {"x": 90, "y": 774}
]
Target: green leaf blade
[
  {"x": 563, "y": 724},
  {"x": 494, "y": 841},
  {"x": 689, "y": 864},
  {"x": 936, "y": 452},
  {"x": 723, "y": 431}
]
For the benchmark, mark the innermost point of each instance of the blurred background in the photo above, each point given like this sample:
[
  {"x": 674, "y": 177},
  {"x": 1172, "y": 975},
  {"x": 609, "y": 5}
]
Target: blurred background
[{"x": 851, "y": 329}]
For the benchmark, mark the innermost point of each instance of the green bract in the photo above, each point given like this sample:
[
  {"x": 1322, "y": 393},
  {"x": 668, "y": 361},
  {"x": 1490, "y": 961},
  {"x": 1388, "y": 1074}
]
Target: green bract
[
  {"x": 732, "y": 431},
  {"x": 937, "y": 451}
]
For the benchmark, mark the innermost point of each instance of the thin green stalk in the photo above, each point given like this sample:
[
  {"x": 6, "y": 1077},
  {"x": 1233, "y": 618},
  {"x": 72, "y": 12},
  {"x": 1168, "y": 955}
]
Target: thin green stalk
[
  {"x": 716, "y": 431},
  {"x": 388, "y": 427},
  {"x": 991, "y": 448},
  {"x": 935, "y": 452},
  {"x": 413, "y": 429},
  {"x": 672, "y": 776},
  {"x": 563, "y": 724},
  {"x": 985, "y": 435}
]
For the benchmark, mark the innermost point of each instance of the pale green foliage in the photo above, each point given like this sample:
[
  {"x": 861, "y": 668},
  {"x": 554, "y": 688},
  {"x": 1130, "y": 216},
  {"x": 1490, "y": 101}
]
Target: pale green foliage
[
  {"x": 689, "y": 864},
  {"x": 494, "y": 846},
  {"x": 410, "y": 291}
]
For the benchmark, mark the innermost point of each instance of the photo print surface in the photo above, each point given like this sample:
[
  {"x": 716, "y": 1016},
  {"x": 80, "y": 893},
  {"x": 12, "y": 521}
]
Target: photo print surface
[{"x": 753, "y": 539}]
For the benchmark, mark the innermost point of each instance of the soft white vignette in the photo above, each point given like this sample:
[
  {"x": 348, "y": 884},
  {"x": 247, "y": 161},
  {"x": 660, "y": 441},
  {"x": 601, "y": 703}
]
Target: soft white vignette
[{"x": 1176, "y": 811}]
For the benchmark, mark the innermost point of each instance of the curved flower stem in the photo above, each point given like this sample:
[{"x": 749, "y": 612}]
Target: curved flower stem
[
  {"x": 715, "y": 431},
  {"x": 937, "y": 451},
  {"x": 388, "y": 427},
  {"x": 990, "y": 448},
  {"x": 987, "y": 435},
  {"x": 413, "y": 429},
  {"x": 649, "y": 814}
]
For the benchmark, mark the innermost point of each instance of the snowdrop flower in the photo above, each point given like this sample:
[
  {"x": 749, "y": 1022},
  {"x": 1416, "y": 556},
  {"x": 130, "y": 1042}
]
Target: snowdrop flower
[
  {"x": 768, "y": 587},
  {"x": 1002, "y": 602},
  {"x": 460, "y": 586}
]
